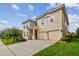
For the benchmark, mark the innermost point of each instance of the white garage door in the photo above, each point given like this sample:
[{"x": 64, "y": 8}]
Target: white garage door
[
  {"x": 42, "y": 35},
  {"x": 53, "y": 35}
]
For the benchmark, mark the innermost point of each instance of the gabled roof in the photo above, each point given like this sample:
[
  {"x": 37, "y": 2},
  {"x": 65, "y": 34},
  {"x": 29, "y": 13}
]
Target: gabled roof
[
  {"x": 29, "y": 20},
  {"x": 53, "y": 10}
]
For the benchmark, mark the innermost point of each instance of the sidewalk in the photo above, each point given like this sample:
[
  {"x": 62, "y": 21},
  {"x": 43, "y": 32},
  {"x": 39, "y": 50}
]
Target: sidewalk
[{"x": 4, "y": 51}]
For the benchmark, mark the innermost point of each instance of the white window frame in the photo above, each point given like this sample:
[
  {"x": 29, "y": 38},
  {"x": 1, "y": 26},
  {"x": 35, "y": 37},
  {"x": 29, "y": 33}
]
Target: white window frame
[{"x": 46, "y": 21}]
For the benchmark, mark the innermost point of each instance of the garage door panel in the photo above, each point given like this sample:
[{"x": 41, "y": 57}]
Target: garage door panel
[
  {"x": 53, "y": 35},
  {"x": 42, "y": 36}
]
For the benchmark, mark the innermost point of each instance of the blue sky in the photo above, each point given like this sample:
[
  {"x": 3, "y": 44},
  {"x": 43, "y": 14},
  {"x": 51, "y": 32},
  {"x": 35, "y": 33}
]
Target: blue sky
[{"x": 12, "y": 15}]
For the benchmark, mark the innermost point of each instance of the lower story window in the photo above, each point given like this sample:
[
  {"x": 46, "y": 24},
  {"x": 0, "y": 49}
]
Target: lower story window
[{"x": 25, "y": 34}]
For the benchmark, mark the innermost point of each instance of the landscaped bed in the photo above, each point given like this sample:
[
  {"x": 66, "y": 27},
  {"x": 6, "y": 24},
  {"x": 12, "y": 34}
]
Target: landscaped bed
[
  {"x": 11, "y": 35},
  {"x": 11, "y": 41},
  {"x": 61, "y": 49}
]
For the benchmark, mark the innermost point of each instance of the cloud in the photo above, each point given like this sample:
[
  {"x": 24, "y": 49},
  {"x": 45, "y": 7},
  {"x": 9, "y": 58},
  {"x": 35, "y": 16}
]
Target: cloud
[
  {"x": 34, "y": 17},
  {"x": 30, "y": 7},
  {"x": 74, "y": 5},
  {"x": 2, "y": 27},
  {"x": 3, "y": 21},
  {"x": 51, "y": 5},
  {"x": 23, "y": 15},
  {"x": 5, "y": 24},
  {"x": 74, "y": 22},
  {"x": 15, "y": 7},
  {"x": 73, "y": 18}
]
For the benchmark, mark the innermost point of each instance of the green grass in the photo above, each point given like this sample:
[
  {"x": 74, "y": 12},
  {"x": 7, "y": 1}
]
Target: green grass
[
  {"x": 9, "y": 41},
  {"x": 61, "y": 49}
]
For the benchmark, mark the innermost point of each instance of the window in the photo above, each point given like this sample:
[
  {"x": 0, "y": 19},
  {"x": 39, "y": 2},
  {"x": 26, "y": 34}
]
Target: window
[
  {"x": 27, "y": 33},
  {"x": 42, "y": 23},
  {"x": 27, "y": 26},
  {"x": 36, "y": 23},
  {"x": 24, "y": 26},
  {"x": 47, "y": 20},
  {"x": 51, "y": 20},
  {"x": 64, "y": 20}
]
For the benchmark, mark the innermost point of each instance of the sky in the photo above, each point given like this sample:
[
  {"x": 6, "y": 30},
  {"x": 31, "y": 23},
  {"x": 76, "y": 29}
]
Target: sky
[{"x": 13, "y": 14}]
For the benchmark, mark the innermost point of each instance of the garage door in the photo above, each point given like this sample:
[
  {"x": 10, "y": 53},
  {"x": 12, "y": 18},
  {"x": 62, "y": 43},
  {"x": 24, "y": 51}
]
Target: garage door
[
  {"x": 42, "y": 35},
  {"x": 53, "y": 35}
]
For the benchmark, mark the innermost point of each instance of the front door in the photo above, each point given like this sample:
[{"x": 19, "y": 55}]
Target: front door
[{"x": 35, "y": 34}]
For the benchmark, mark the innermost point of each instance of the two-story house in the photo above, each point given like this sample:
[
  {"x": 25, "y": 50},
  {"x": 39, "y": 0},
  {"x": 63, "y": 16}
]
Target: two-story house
[{"x": 51, "y": 25}]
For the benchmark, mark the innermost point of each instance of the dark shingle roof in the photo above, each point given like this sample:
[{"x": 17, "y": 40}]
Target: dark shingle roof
[
  {"x": 53, "y": 10},
  {"x": 29, "y": 20}
]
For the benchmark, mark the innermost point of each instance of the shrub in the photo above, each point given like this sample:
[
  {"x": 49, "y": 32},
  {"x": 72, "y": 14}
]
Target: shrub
[
  {"x": 20, "y": 39},
  {"x": 73, "y": 35},
  {"x": 67, "y": 38},
  {"x": 10, "y": 33},
  {"x": 77, "y": 32}
]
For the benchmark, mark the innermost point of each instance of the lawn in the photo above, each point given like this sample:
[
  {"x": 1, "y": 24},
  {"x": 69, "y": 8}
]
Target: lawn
[
  {"x": 10, "y": 41},
  {"x": 61, "y": 49}
]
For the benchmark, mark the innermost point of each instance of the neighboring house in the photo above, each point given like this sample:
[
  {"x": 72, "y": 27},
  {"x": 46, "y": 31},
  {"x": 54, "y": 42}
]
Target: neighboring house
[{"x": 51, "y": 25}]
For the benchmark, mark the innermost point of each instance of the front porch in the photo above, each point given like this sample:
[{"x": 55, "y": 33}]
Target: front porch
[{"x": 32, "y": 34}]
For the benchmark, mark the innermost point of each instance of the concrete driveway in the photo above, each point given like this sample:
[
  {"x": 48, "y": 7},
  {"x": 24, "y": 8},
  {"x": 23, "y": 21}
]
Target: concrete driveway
[{"x": 27, "y": 48}]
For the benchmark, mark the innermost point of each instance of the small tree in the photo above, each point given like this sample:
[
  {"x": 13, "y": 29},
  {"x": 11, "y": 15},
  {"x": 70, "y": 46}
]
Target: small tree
[
  {"x": 11, "y": 33},
  {"x": 77, "y": 32}
]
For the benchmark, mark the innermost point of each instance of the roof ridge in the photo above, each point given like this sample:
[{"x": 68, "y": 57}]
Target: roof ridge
[{"x": 51, "y": 10}]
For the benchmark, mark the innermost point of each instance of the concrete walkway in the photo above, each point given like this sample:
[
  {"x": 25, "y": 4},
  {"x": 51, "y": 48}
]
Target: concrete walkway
[
  {"x": 27, "y": 48},
  {"x": 30, "y": 47},
  {"x": 4, "y": 51}
]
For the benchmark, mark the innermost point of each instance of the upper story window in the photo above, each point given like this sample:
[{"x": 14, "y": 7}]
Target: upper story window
[
  {"x": 51, "y": 20},
  {"x": 36, "y": 23},
  {"x": 42, "y": 23},
  {"x": 64, "y": 20},
  {"x": 25, "y": 26},
  {"x": 47, "y": 20}
]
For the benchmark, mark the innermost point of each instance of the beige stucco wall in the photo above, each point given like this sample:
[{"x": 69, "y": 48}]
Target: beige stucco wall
[
  {"x": 29, "y": 30},
  {"x": 57, "y": 16},
  {"x": 64, "y": 26},
  {"x": 25, "y": 31},
  {"x": 50, "y": 28}
]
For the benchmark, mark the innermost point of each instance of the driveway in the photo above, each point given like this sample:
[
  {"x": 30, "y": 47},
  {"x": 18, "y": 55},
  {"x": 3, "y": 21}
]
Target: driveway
[{"x": 29, "y": 47}]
